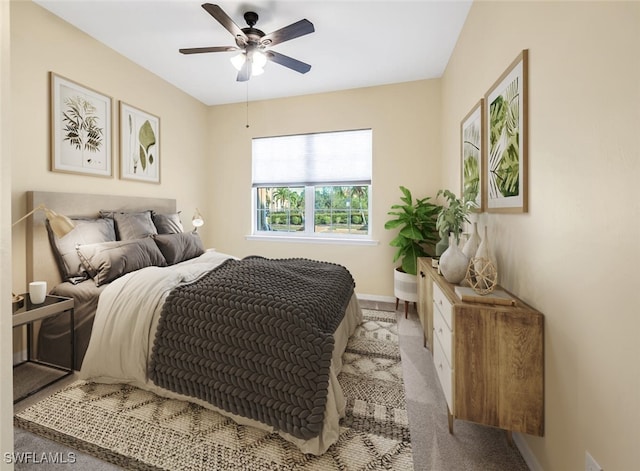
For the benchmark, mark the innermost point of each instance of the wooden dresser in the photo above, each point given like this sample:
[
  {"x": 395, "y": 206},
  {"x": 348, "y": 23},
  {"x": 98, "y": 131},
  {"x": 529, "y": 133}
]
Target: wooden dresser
[{"x": 489, "y": 358}]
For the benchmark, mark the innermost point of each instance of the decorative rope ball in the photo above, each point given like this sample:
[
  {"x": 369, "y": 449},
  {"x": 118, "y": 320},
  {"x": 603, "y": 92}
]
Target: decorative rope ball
[{"x": 482, "y": 275}]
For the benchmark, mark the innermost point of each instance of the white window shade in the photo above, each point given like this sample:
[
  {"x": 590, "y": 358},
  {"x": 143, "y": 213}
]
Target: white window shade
[{"x": 342, "y": 158}]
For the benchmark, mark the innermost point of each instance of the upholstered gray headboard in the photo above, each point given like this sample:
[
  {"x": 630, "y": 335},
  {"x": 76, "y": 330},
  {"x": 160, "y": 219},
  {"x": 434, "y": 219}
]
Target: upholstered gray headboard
[{"x": 41, "y": 264}]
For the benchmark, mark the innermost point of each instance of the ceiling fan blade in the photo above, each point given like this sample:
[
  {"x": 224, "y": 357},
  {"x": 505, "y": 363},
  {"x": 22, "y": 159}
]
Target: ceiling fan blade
[
  {"x": 224, "y": 19},
  {"x": 294, "y": 30},
  {"x": 199, "y": 50},
  {"x": 244, "y": 73},
  {"x": 289, "y": 62}
]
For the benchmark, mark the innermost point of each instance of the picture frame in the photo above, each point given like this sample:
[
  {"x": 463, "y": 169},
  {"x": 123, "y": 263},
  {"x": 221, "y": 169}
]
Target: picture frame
[
  {"x": 81, "y": 129},
  {"x": 472, "y": 162},
  {"x": 139, "y": 144},
  {"x": 506, "y": 140}
]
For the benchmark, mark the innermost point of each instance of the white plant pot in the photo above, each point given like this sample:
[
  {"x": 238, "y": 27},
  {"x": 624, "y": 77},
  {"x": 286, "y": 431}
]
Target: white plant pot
[{"x": 405, "y": 286}]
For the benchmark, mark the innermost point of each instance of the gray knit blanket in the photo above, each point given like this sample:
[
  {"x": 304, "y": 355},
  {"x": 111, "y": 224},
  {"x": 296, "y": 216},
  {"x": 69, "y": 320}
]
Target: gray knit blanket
[{"x": 254, "y": 337}]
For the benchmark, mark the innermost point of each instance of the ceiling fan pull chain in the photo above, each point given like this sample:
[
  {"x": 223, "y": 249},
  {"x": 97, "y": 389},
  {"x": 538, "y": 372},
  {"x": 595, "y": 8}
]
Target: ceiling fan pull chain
[{"x": 247, "y": 104}]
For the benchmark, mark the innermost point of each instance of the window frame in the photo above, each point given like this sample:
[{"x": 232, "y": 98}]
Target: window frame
[{"x": 309, "y": 232}]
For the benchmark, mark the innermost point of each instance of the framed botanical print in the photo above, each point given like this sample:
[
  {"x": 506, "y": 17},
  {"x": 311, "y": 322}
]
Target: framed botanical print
[
  {"x": 506, "y": 138},
  {"x": 139, "y": 145},
  {"x": 471, "y": 153},
  {"x": 81, "y": 136}
]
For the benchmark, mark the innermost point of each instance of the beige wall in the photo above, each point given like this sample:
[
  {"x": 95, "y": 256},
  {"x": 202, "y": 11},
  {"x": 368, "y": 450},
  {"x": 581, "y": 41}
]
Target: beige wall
[
  {"x": 406, "y": 150},
  {"x": 41, "y": 42},
  {"x": 575, "y": 255}
]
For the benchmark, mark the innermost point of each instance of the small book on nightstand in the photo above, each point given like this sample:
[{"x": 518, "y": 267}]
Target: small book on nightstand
[{"x": 497, "y": 296}]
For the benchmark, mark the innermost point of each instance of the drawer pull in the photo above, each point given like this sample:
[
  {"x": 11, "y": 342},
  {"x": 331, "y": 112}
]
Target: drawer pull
[
  {"x": 440, "y": 330},
  {"x": 422, "y": 274}
]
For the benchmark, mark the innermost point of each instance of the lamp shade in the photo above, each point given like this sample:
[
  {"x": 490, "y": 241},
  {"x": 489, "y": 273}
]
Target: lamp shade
[
  {"x": 60, "y": 224},
  {"x": 238, "y": 60},
  {"x": 258, "y": 61}
]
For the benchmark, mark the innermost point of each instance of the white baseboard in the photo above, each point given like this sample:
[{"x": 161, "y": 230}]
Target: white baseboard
[
  {"x": 526, "y": 452},
  {"x": 375, "y": 297}
]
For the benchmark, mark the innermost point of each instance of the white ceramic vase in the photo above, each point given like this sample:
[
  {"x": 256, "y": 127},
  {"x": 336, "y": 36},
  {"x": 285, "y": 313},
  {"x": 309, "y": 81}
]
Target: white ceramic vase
[
  {"x": 453, "y": 263},
  {"x": 472, "y": 244},
  {"x": 484, "y": 251}
]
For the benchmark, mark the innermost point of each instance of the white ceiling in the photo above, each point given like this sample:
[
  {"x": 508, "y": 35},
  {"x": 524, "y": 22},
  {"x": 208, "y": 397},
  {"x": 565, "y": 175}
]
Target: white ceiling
[{"x": 355, "y": 44}]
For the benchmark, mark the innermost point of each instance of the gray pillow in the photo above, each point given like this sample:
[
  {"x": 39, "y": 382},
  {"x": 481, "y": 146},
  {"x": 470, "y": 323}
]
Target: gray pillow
[
  {"x": 109, "y": 260},
  {"x": 131, "y": 225},
  {"x": 167, "y": 223},
  {"x": 179, "y": 247},
  {"x": 86, "y": 231}
]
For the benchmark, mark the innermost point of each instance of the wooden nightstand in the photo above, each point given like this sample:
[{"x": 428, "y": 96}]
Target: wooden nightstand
[{"x": 27, "y": 315}]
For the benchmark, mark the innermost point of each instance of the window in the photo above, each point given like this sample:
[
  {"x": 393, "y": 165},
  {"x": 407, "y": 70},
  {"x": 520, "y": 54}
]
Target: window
[{"x": 313, "y": 185}]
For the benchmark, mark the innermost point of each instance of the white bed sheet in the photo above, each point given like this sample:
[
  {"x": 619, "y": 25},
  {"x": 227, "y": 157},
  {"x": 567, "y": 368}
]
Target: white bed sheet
[{"x": 125, "y": 324}]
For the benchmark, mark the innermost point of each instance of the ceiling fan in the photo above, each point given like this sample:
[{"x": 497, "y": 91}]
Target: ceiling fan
[{"x": 255, "y": 44}]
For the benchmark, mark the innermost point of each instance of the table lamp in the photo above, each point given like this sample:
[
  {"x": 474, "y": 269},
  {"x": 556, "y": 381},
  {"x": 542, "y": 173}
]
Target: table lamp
[
  {"x": 60, "y": 224},
  {"x": 197, "y": 221}
]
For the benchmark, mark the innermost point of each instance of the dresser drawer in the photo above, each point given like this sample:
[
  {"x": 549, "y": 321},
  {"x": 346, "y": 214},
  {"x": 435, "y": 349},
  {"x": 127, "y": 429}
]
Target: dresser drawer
[
  {"x": 442, "y": 304},
  {"x": 443, "y": 333},
  {"x": 444, "y": 372}
]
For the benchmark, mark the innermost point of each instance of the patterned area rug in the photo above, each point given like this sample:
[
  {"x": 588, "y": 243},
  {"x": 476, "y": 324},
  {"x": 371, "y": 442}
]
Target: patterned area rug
[{"x": 138, "y": 430}]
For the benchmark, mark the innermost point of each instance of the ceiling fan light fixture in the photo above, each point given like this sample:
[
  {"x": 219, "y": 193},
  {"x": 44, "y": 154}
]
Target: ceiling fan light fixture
[
  {"x": 259, "y": 59},
  {"x": 238, "y": 61}
]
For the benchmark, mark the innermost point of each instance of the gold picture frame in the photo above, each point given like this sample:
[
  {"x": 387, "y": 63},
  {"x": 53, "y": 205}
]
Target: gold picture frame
[{"x": 506, "y": 140}]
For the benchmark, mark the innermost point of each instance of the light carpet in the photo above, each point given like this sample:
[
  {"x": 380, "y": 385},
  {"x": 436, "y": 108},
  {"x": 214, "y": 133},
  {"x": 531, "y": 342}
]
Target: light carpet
[{"x": 136, "y": 429}]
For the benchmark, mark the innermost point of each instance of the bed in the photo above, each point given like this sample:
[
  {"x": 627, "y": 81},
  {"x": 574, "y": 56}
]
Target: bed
[{"x": 255, "y": 339}]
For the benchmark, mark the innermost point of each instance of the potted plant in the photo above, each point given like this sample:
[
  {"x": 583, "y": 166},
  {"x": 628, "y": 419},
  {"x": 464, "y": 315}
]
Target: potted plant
[
  {"x": 452, "y": 217},
  {"x": 417, "y": 223},
  {"x": 450, "y": 222}
]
